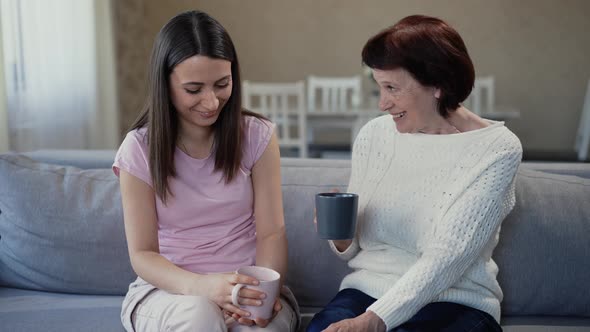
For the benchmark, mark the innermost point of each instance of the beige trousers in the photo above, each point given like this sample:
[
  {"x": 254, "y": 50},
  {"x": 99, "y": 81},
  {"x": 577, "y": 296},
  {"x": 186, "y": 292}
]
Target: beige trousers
[{"x": 147, "y": 308}]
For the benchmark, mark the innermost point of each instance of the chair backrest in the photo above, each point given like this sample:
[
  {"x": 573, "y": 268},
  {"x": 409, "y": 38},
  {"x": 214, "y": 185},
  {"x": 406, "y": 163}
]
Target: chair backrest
[
  {"x": 481, "y": 100},
  {"x": 336, "y": 94},
  {"x": 283, "y": 104},
  {"x": 583, "y": 135}
]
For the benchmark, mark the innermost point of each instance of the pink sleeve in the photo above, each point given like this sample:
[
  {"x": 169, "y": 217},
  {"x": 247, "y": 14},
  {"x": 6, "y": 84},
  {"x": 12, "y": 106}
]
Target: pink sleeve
[
  {"x": 133, "y": 157},
  {"x": 257, "y": 134}
]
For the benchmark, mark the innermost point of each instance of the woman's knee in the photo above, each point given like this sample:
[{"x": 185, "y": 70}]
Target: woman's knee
[
  {"x": 348, "y": 303},
  {"x": 194, "y": 313},
  {"x": 286, "y": 319},
  {"x": 320, "y": 322}
]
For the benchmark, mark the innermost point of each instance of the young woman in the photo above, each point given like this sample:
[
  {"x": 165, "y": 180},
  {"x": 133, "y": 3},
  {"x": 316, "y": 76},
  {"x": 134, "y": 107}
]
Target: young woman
[
  {"x": 200, "y": 185},
  {"x": 435, "y": 182}
]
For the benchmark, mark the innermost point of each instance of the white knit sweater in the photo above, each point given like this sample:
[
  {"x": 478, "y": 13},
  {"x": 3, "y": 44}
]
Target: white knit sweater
[{"x": 430, "y": 209}]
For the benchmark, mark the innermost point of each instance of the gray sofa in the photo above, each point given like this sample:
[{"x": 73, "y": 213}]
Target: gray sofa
[{"x": 64, "y": 264}]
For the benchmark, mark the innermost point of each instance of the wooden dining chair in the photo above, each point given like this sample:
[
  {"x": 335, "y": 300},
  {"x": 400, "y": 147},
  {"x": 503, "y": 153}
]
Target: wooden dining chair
[
  {"x": 329, "y": 99},
  {"x": 481, "y": 101},
  {"x": 284, "y": 105},
  {"x": 583, "y": 135},
  {"x": 333, "y": 94}
]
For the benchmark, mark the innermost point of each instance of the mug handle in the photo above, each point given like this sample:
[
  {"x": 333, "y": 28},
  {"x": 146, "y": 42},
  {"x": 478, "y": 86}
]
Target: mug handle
[{"x": 234, "y": 294}]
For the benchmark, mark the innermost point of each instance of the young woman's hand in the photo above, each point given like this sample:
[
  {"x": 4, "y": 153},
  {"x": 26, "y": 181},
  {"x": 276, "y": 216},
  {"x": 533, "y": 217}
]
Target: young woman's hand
[
  {"x": 367, "y": 322},
  {"x": 218, "y": 288},
  {"x": 260, "y": 321}
]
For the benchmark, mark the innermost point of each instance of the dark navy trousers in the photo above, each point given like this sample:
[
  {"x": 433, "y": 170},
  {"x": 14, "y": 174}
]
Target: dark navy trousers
[{"x": 434, "y": 317}]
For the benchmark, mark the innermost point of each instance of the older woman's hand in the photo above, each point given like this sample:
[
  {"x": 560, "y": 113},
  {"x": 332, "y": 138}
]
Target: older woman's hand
[
  {"x": 341, "y": 245},
  {"x": 367, "y": 322}
]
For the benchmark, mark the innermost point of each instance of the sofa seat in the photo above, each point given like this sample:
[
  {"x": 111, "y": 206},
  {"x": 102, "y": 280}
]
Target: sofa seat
[
  {"x": 545, "y": 324},
  {"x": 26, "y": 310}
]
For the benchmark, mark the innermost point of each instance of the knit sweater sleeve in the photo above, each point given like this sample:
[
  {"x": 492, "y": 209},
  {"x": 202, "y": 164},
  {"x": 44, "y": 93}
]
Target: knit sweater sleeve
[
  {"x": 360, "y": 155},
  {"x": 458, "y": 238}
]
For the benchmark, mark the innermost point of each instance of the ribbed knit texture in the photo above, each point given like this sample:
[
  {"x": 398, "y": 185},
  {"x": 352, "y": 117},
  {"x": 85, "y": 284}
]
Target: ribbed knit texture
[{"x": 430, "y": 209}]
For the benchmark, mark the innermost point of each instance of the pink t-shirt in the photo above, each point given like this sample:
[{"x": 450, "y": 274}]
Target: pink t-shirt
[{"x": 208, "y": 226}]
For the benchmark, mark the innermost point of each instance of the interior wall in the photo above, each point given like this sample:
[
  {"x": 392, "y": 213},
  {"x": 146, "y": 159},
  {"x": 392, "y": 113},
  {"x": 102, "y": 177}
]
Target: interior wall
[
  {"x": 104, "y": 129},
  {"x": 133, "y": 44},
  {"x": 4, "y": 143},
  {"x": 536, "y": 49}
]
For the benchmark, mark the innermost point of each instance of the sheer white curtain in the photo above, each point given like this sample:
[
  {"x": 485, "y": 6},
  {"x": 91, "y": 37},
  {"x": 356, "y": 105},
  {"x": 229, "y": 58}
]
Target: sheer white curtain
[{"x": 50, "y": 72}]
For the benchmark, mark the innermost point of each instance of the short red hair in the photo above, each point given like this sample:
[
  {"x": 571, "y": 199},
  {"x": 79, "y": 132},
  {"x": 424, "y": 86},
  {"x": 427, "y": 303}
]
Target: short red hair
[{"x": 429, "y": 49}]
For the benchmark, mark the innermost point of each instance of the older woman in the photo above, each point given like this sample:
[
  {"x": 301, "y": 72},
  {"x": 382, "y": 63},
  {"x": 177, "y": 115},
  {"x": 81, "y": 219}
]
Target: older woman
[{"x": 435, "y": 182}]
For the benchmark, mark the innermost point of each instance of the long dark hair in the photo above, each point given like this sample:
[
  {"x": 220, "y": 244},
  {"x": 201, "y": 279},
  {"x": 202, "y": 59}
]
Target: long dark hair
[{"x": 185, "y": 35}]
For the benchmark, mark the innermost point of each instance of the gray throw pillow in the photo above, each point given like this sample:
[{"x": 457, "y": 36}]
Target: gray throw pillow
[{"x": 61, "y": 229}]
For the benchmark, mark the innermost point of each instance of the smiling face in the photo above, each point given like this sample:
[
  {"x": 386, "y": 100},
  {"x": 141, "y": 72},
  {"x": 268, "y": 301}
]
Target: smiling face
[
  {"x": 199, "y": 88},
  {"x": 412, "y": 105}
]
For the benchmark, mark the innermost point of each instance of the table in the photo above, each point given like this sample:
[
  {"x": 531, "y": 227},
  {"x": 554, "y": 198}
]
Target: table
[
  {"x": 502, "y": 113},
  {"x": 353, "y": 119},
  {"x": 357, "y": 118}
]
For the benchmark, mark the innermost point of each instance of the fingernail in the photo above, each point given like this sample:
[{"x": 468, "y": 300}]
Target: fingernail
[
  {"x": 262, "y": 296},
  {"x": 258, "y": 302}
]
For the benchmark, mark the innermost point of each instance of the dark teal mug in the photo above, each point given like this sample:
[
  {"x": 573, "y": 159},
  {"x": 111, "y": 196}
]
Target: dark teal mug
[{"x": 336, "y": 215}]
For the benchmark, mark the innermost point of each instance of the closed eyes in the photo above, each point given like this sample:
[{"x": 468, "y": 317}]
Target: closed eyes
[{"x": 218, "y": 86}]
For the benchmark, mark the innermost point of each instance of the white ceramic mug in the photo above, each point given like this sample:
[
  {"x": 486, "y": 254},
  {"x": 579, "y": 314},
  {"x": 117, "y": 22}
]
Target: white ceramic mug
[{"x": 269, "y": 281}]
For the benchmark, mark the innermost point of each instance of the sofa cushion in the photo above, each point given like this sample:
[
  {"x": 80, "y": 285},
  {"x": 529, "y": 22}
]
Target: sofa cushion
[
  {"x": 544, "y": 246},
  {"x": 26, "y": 311},
  {"x": 61, "y": 229},
  {"x": 577, "y": 169},
  {"x": 314, "y": 271},
  {"x": 84, "y": 159},
  {"x": 545, "y": 324}
]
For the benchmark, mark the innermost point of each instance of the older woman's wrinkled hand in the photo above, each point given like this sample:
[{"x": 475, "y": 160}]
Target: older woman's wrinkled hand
[{"x": 367, "y": 322}]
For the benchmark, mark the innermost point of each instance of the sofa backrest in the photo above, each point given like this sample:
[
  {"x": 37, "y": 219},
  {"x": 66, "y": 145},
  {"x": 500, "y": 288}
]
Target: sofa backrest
[
  {"x": 544, "y": 247},
  {"x": 314, "y": 271},
  {"x": 542, "y": 253}
]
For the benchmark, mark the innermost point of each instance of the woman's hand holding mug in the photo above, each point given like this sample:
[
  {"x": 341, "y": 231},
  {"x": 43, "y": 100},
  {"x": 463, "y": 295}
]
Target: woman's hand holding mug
[
  {"x": 261, "y": 300},
  {"x": 337, "y": 217}
]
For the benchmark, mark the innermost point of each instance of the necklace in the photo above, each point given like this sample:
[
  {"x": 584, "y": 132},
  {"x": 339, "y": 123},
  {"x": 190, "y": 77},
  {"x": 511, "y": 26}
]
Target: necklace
[{"x": 439, "y": 131}]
